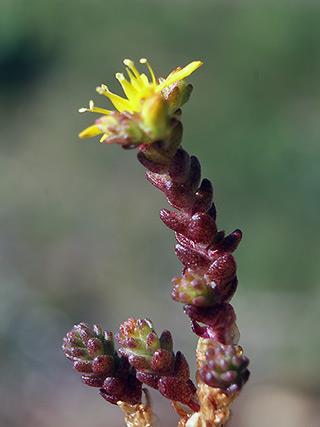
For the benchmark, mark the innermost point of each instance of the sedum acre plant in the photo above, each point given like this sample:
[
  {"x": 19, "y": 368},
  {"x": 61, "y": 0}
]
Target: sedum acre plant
[{"x": 148, "y": 118}]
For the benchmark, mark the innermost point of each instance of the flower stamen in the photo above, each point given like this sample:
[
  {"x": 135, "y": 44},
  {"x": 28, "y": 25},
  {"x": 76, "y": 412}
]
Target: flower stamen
[
  {"x": 93, "y": 109},
  {"x": 153, "y": 77},
  {"x": 130, "y": 64}
]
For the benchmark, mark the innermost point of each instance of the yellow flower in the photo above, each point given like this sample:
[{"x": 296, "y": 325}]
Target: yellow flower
[{"x": 138, "y": 88}]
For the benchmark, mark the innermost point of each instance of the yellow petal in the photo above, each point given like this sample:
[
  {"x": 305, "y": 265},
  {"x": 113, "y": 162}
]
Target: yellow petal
[
  {"x": 175, "y": 76},
  {"x": 145, "y": 80},
  {"x": 121, "y": 104},
  {"x": 104, "y": 137},
  {"x": 127, "y": 87},
  {"x": 90, "y": 131}
]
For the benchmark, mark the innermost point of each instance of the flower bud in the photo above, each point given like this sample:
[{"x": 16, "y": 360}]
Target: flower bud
[
  {"x": 92, "y": 353},
  {"x": 141, "y": 345},
  {"x": 225, "y": 367},
  {"x": 154, "y": 361},
  {"x": 177, "y": 94},
  {"x": 192, "y": 288}
]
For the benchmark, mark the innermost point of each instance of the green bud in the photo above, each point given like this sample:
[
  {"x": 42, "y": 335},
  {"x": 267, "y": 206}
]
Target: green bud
[
  {"x": 142, "y": 346},
  {"x": 194, "y": 289},
  {"x": 155, "y": 117},
  {"x": 177, "y": 95},
  {"x": 92, "y": 352}
]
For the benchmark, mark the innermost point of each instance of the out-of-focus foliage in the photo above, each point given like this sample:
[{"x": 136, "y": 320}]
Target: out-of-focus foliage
[{"x": 72, "y": 212}]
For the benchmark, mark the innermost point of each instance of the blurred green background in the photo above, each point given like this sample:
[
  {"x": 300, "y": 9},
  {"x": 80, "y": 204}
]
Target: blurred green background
[{"x": 80, "y": 237}]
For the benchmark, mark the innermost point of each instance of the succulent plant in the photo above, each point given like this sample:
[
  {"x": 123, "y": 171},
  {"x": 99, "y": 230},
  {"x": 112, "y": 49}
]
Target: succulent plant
[{"x": 148, "y": 118}]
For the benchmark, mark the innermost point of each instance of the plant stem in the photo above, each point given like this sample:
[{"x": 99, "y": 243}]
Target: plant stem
[{"x": 139, "y": 415}]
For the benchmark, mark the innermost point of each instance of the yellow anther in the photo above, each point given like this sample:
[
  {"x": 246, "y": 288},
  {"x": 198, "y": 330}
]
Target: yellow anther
[
  {"x": 93, "y": 109},
  {"x": 120, "y": 77},
  {"x": 102, "y": 89}
]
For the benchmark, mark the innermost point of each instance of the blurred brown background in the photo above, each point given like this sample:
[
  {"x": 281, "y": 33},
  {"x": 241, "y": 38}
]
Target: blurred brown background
[{"x": 80, "y": 237}]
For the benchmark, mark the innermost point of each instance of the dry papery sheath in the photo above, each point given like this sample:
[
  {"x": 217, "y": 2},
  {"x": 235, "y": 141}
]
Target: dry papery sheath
[{"x": 148, "y": 118}]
